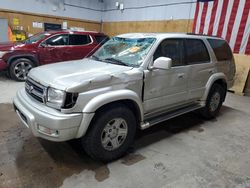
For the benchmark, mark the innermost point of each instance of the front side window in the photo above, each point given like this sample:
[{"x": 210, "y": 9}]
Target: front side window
[
  {"x": 221, "y": 49},
  {"x": 173, "y": 49},
  {"x": 36, "y": 38},
  {"x": 58, "y": 40},
  {"x": 79, "y": 39},
  {"x": 124, "y": 51},
  {"x": 196, "y": 52}
]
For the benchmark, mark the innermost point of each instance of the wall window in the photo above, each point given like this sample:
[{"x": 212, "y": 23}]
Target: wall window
[
  {"x": 196, "y": 52},
  {"x": 221, "y": 49},
  {"x": 58, "y": 40},
  {"x": 171, "y": 48},
  {"x": 79, "y": 39}
]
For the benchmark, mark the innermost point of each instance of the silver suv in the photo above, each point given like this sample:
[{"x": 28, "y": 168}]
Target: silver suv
[{"x": 133, "y": 81}]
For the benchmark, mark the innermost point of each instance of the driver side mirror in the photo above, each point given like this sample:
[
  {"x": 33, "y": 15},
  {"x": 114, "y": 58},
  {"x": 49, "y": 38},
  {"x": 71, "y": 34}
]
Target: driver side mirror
[
  {"x": 162, "y": 63},
  {"x": 43, "y": 45}
]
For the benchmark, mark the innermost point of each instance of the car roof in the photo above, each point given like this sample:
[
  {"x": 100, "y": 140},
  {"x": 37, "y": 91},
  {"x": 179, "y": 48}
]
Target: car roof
[
  {"x": 166, "y": 35},
  {"x": 74, "y": 32}
]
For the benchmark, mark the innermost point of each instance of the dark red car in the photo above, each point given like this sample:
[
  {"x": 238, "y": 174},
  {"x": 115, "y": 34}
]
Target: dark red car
[{"x": 48, "y": 47}]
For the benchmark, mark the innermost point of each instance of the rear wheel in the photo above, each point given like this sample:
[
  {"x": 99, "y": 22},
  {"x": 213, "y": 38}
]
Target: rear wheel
[
  {"x": 20, "y": 68},
  {"x": 111, "y": 133},
  {"x": 214, "y": 101}
]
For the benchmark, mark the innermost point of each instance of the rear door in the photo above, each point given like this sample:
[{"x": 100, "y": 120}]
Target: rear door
[
  {"x": 80, "y": 46},
  {"x": 101, "y": 39},
  {"x": 198, "y": 58}
]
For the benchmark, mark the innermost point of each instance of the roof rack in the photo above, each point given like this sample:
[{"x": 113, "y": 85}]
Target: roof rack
[
  {"x": 75, "y": 29},
  {"x": 202, "y": 35}
]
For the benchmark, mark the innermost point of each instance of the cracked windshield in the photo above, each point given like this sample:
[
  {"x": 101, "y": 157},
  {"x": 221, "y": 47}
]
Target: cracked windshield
[{"x": 124, "y": 51}]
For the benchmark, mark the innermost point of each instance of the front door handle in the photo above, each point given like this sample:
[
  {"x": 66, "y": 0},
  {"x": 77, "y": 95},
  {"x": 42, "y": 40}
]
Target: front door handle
[
  {"x": 181, "y": 75},
  {"x": 211, "y": 71}
]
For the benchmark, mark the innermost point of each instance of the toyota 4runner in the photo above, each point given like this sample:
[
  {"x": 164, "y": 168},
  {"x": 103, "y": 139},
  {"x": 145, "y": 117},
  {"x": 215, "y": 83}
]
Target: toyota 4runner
[{"x": 133, "y": 81}]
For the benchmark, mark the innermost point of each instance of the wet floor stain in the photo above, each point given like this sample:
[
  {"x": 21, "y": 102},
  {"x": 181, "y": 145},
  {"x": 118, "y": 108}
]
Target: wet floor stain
[
  {"x": 27, "y": 161},
  {"x": 131, "y": 159},
  {"x": 185, "y": 123},
  {"x": 102, "y": 173},
  {"x": 159, "y": 165},
  {"x": 198, "y": 129}
]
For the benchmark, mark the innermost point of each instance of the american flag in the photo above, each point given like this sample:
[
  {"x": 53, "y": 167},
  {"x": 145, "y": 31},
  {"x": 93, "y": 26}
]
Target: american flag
[{"x": 229, "y": 19}]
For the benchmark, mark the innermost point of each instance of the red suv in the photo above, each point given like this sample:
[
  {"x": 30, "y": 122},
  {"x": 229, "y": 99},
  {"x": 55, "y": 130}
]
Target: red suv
[{"x": 47, "y": 47}]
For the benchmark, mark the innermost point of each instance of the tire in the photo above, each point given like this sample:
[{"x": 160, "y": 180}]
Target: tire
[
  {"x": 20, "y": 68},
  {"x": 108, "y": 126},
  {"x": 214, "y": 101}
]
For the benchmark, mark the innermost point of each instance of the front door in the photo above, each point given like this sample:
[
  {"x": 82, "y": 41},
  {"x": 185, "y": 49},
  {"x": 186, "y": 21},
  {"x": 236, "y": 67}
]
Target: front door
[
  {"x": 165, "y": 89},
  {"x": 54, "y": 49}
]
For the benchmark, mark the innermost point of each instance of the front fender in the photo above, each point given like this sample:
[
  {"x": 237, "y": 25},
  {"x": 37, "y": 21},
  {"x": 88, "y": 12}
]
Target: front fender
[
  {"x": 113, "y": 96},
  {"x": 32, "y": 57},
  {"x": 106, "y": 98},
  {"x": 210, "y": 82}
]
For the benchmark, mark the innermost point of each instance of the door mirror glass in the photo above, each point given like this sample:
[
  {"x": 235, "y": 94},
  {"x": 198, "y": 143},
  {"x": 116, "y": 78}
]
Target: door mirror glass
[
  {"x": 163, "y": 63},
  {"x": 43, "y": 45}
]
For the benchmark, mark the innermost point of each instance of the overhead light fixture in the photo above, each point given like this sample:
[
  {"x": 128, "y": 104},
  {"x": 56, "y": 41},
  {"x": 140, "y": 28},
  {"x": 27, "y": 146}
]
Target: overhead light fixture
[
  {"x": 117, "y": 4},
  {"x": 121, "y": 6}
]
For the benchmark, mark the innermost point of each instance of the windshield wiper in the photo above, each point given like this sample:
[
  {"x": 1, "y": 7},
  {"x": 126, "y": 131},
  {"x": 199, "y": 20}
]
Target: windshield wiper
[
  {"x": 95, "y": 57},
  {"x": 115, "y": 61}
]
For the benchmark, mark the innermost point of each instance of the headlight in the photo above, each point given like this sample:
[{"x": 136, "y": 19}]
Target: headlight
[
  {"x": 55, "y": 97},
  {"x": 3, "y": 53}
]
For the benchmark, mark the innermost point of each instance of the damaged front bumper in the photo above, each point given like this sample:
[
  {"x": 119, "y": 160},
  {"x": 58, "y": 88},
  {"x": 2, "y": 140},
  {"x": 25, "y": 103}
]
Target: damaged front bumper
[{"x": 46, "y": 122}]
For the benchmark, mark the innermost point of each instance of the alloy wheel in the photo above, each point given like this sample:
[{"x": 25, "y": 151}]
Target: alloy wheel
[
  {"x": 114, "y": 134},
  {"x": 22, "y": 69},
  {"x": 215, "y": 101}
]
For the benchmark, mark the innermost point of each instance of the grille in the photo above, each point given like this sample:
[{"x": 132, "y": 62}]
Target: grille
[{"x": 35, "y": 90}]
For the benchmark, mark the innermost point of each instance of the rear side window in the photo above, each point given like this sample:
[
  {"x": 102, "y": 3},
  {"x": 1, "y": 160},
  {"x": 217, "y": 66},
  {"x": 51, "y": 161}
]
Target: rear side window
[
  {"x": 101, "y": 39},
  {"x": 196, "y": 52},
  {"x": 221, "y": 49},
  {"x": 79, "y": 39}
]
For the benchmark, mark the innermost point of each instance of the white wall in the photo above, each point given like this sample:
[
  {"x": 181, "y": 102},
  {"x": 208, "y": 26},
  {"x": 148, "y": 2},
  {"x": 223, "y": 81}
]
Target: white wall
[
  {"x": 57, "y": 7},
  {"x": 95, "y": 10},
  {"x": 139, "y": 10}
]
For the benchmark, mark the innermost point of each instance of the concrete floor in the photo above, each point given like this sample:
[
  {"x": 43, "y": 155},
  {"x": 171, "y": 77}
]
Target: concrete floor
[{"x": 183, "y": 152}]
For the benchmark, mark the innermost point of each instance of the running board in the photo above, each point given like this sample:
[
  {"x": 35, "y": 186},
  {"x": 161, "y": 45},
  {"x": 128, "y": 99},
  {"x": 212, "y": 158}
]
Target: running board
[{"x": 166, "y": 116}]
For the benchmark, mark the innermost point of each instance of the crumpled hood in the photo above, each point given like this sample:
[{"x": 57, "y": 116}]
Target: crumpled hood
[{"x": 72, "y": 75}]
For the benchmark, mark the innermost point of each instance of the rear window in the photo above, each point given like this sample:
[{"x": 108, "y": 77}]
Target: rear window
[
  {"x": 101, "y": 39},
  {"x": 196, "y": 52},
  {"x": 221, "y": 49},
  {"x": 79, "y": 39}
]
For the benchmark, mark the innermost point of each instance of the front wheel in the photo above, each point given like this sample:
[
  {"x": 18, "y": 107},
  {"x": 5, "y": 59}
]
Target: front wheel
[
  {"x": 214, "y": 101},
  {"x": 111, "y": 133},
  {"x": 20, "y": 68}
]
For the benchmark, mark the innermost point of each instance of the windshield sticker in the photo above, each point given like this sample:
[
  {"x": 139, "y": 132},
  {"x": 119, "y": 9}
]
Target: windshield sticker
[{"x": 134, "y": 49}]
